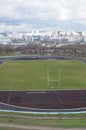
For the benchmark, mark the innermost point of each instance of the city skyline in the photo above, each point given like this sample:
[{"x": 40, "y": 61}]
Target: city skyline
[{"x": 26, "y": 15}]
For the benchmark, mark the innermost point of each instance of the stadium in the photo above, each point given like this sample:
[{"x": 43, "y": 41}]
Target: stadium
[{"x": 42, "y": 84}]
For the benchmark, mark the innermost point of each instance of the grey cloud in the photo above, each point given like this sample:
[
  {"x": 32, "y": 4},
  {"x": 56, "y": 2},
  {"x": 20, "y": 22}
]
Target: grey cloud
[{"x": 64, "y": 14}]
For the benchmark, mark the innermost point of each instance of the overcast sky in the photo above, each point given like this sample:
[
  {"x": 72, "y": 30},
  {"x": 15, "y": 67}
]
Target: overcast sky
[{"x": 25, "y": 15}]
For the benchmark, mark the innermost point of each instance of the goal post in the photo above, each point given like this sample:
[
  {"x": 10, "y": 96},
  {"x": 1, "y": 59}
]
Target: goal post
[{"x": 54, "y": 80}]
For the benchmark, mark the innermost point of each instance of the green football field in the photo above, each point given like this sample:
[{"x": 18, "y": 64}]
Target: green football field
[{"x": 42, "y": 75}]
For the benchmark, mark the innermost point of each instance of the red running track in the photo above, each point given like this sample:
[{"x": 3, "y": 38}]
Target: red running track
[{"x": 61, "y": 99}]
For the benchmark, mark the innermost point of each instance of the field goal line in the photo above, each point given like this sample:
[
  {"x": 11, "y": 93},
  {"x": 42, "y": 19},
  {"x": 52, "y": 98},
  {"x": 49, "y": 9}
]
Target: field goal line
[{"x": 53, "y": 80}]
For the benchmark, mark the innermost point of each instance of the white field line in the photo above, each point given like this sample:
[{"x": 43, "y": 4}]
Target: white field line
[
  {"x": 2, "y": 64},
  {"x": 46, "y": 110},
  {"x": 79, "y": 61},
  {"x": 82, "y": 62}
]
